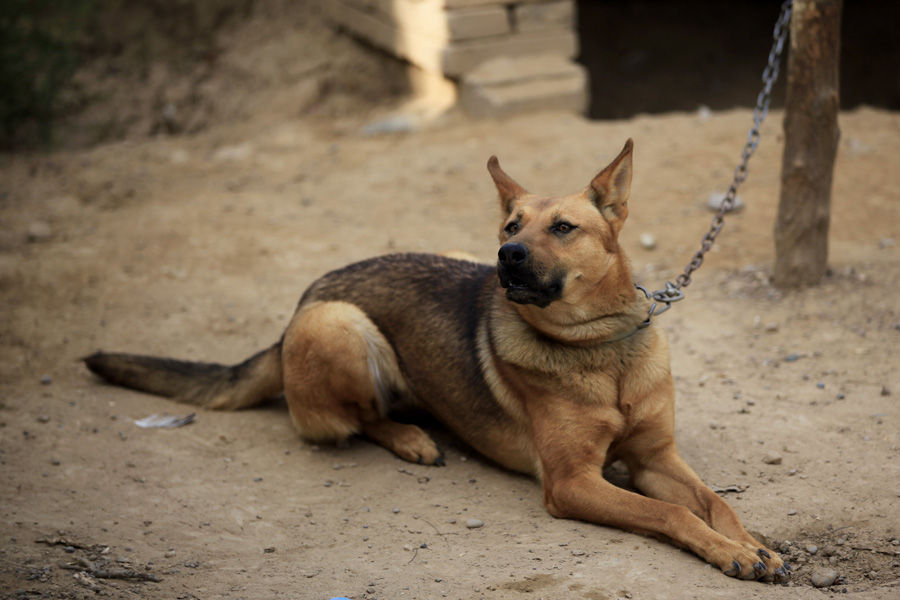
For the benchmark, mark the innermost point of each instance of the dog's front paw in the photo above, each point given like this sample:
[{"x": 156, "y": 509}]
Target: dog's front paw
[
  {"x": 747, "y": 561},
  {"x": 776, "y": 569}
]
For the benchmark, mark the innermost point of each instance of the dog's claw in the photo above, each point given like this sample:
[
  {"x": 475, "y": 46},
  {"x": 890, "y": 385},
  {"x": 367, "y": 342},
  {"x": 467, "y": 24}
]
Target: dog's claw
[
  {"x": 735, "y": 569},
  {"x": 781, "y": 575},
  {"x": 420, "y": 460},
  {"x": 759, "y": 567},
  {"x": 439, "y": 461},
  {"x": 764, "y": 553},
  {"x": 788, "y": 567}
]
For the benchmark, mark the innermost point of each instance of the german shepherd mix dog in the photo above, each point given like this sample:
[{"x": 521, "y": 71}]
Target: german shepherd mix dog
[{"x": 542, "y": 363}]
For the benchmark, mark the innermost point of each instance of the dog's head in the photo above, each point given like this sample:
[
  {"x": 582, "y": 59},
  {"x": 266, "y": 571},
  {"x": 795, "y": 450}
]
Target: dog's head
[{"x": 564, "y": 250}]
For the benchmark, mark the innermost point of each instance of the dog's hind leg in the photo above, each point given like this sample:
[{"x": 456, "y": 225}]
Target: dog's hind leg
[{"x": 340, "y": 375}]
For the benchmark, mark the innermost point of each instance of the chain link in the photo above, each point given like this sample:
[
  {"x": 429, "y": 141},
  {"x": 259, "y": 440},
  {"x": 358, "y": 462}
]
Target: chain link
[{"x": 673, "y": 292}]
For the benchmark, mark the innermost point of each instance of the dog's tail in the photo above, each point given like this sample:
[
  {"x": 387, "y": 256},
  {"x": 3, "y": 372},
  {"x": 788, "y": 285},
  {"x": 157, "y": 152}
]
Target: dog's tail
[{"x": 203, "y": 384}]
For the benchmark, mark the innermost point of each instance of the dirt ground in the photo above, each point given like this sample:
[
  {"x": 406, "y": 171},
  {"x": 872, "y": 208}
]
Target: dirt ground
[{"x": 198, "y": 246}]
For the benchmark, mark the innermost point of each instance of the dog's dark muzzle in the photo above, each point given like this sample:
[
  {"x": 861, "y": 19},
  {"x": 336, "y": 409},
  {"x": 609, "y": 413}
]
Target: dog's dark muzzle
[{"x": 515, "y": 267}]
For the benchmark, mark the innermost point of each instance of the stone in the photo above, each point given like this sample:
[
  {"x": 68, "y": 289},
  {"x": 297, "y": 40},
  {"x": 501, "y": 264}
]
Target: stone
[
  {"x": 476, "y": 22},
  {"x": 772, "y": 458},
  {"x": 544, "y": 16},
  {"x": 443, "y": 43},
  {"x": 461, "y": 58},
  {"x": 474, "y": 523},
  {"x": 39, "y": 231},
  {"x": 440, "y": 23},
  {"x": 507, "y": 85},
  {"x": 824, "y": 577},
  {"x": 399, "y": 123},
  {"x": 415, "y": 46},
  {"x": 648, "y": 241},
  {"x": 715, "y": 200}
]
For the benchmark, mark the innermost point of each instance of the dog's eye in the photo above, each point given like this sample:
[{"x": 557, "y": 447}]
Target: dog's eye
[
  {"x": 563, "y": 227},
  {"x": 511, "y": 228}
]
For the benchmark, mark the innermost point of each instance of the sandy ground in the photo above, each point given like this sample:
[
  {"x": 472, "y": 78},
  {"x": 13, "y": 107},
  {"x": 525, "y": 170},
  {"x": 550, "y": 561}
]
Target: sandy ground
[{"x": 199, "y": 247}]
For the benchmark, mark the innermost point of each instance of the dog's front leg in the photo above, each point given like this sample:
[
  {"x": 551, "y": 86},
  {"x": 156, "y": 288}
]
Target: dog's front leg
[
  {"x": 584, "y": 494},
  {"x": 664, "y": 475}
]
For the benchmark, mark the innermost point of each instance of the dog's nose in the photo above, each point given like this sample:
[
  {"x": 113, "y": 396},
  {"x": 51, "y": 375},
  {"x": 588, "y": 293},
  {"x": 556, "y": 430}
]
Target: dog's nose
[{"x": 513, "y": 254}]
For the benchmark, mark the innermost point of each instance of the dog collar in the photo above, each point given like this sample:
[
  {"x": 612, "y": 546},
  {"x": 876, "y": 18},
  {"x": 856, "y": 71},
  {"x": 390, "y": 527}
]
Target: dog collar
[
  {"x": 642, "y": 325},
  {"x": 667, "y": 297}
]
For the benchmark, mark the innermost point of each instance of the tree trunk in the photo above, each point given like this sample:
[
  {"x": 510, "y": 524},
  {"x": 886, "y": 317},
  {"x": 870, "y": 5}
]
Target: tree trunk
[{"x": 811, "y": 140}]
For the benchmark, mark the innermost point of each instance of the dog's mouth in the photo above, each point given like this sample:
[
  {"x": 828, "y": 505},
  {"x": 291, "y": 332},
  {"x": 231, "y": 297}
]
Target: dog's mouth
[{"x": 524, "y": 287}]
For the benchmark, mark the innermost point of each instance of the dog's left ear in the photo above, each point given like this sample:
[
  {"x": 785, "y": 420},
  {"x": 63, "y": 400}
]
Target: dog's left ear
[
  {"x": 508, "y": 189},
  {"x": 612, "y": 186}
]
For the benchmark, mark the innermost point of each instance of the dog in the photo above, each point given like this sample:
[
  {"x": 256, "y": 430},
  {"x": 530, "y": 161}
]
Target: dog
[{"x": 546, "y": 363}]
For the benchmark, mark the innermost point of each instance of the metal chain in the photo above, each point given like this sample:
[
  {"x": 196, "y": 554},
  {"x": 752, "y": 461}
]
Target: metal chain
[{"x": 673, "y": 292}]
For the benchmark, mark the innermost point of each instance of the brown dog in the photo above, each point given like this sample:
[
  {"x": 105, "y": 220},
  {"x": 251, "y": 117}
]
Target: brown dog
[{"x": 543, "y": 364}]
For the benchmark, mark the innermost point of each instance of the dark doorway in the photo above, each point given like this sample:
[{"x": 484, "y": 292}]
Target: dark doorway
[{"x": 651, "y": 56}]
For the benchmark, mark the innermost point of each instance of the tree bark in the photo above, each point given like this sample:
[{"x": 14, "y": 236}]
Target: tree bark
[{"x": 811, "y": 141}]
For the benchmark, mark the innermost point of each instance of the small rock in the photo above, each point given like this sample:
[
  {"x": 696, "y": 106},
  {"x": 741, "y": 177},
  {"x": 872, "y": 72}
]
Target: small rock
[
  {"x": 43, "y": 419},
  {"x": 771, "y": 327},
  {"x": 704, "y": 113},
  {"x": 395, "y": 510},
  {"x": 885, "y": 391},
  {"x": 792, "y": 357},
  {"x": 578, "y": 552},
  {"x": 820, "y": 385},
  {"x": 47, "y": 380},
  {"x": 269, "y": 550},
  {"x": 400, "y": 123},
  {"x": 179, "y": 157},
  {"x": 824, "y": 577},
  {"x": 887, "y": 242},
  {"x": 648, "y": 241},
  {"x": 39, "y": 231},
  {"x": 772, "y": 458},
  {"x": 237, "y": 152},
  {"x": 791, "y": 512},
  {"x": 812, "y": 548},
  {"x": 474, "y": 523},
  {"x": 716, "y": 199}
]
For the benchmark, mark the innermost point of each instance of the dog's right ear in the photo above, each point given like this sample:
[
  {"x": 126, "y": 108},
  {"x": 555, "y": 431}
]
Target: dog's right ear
[{"x": 508, "y": 189}]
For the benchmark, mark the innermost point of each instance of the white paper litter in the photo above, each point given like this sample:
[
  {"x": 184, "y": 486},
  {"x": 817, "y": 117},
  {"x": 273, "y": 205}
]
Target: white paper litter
[{"x": 168, "y": 421}]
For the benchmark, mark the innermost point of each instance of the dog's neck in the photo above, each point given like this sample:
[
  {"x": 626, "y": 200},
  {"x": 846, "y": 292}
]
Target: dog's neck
[
  {"x": 590, "y": 330},
  {"x": 612, "y": 311}
]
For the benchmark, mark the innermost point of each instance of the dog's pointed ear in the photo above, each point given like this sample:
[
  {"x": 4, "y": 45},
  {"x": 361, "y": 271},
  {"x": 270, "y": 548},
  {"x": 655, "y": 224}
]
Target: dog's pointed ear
[
  {"x": 508, "y": 189},
  {"x": 612, "y": 186}
]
